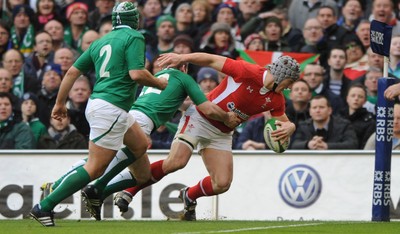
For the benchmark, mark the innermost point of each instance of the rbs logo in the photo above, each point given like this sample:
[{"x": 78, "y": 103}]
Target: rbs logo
[{"x": 300, "y": 186}]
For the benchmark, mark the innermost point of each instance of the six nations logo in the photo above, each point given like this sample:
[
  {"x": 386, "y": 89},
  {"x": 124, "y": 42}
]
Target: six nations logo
[{"x": 300, "y": 186}]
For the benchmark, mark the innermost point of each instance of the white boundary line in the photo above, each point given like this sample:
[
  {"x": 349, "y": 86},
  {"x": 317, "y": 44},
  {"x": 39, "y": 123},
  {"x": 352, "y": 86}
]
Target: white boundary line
[{"x": 252, "y": 229}]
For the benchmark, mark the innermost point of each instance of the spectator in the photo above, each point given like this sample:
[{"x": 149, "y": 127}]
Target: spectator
[
  {"x": 5, "y": 43},
  {"x": 77, "y": 16},
  {"x": 207, "y": 78},
  {"x": 363, "y": 32},
  {"x": 394, "y": 66},
  {"x": 10, "y": 4},
  {"x": 151, "y": 11},
  {"x": 13, "y": 133},
  {"x": 89, "y": 37},
  {"x": 313, "y": 34},
  {"x": 371, "y": 82},
  {"x": 272, "y": 33},
  {"x": 22, "y": 31},
  {"x": 334, "y": 35},
  {"x": 247, "y": 10},
  {"x": 370, "y": 145},
  {"x": 221, "y": 41},
  {"x": 254, "y": 42},
  {"x": 374, "y": 60},
  {"x": 46, "y": 10},
  {"x": 183, "y": 44},
  {"x": 351, "y": 14},
  {"x": 313, "y": 75},
  {"x": 41, "y": 57},
  {"x": 335, "y": 79},
  {"x": 105, "y": 26},
  {"x": 29, "y": 110},
  {"x": 362, "y": 120},
  {"x": 64, "y": 57},
  {"x": 292, "y": 36},
  {"x": 382, "y": 11},
  {"x": 324, "y": 131},
  {"x": 184, "y": 20},
  {"x": 252, "y": 136},
  {"x": 166, "y": 28},
  {"x": 4, "y": 15},
  {"x": 201, "y": 19},
  {"x": 62, "y": 135},
  {"x": 47, "y": 95},
  {"x": 56, "y": 30},
  {"x": 6, "y": 85},
  {"x": 23, "y": 81},
  {"x": 297, "y": 108},
  {"x": 357, "y": 60},
  {"x": 301, "y": 10},
  {"x": 76, "y": 104},
  {"x": 227, "y": 13},
  {"x": 103, "y": 9}
]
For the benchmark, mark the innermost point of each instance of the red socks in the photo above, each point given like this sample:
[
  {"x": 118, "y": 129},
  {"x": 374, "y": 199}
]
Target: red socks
[
  {"x": 203, "y": 188},
  {"x": 157, "y": 174}
]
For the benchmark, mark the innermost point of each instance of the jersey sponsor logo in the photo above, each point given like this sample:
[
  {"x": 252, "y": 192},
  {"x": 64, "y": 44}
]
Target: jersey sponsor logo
[
  {"x": 249, "y": 88},
  {"x": 231, "y": 107},
  {"x": 300, "y": 186}
]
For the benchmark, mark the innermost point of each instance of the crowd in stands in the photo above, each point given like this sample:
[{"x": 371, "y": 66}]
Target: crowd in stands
[{"x": 333, "y": 105}]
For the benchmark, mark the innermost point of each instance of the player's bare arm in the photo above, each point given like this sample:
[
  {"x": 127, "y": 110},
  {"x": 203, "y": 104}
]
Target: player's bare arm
[
  {"x": 200, "y": 59},
  {"x": 392, "y": 92},
  {"x": 285, "y": 130},
  {"x": 144, "y": 77},
  {"x": 213, "y": 111},
  {"x": 59, "y": 110}
]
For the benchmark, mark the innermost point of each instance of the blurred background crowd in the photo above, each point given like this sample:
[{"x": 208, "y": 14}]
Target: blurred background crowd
[{"x": 333, "y": 105}]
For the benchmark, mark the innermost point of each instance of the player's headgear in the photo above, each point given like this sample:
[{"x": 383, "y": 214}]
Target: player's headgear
[
  {"x": 125, "y": 13},
  {"x": 285, "y": 67}
]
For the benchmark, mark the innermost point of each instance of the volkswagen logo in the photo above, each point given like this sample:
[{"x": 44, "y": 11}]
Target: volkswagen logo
[{"x": 300, "y": 186}]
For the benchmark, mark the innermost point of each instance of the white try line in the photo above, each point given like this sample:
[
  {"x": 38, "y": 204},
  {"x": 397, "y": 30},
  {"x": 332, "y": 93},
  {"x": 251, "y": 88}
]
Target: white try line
[{"x": 252, "y": 229}]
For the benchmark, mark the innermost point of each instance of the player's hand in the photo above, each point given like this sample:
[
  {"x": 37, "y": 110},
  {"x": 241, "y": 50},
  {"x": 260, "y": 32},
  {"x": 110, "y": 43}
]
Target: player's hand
[
  {"x": 285, "y": 130},
  {"x": 162, "y": 83},
  {"x": 59, "y": 112},
  {"x": 169, "y": 60},
  {"x": 392, "y": 92},
  {"x": 233, "y": 120}
]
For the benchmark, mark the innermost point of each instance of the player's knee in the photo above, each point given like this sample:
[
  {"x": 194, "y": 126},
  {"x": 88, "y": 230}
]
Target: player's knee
[
  {"x": 222, "y": 185},
  {"x": 174, "y": 165}
]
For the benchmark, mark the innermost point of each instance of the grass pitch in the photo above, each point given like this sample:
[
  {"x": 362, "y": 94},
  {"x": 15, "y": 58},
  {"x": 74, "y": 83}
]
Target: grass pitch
[{"x": 181, "y": 227}]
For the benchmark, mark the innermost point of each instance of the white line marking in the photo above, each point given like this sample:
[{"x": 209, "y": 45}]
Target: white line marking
[{"x": 254, "y": 228}]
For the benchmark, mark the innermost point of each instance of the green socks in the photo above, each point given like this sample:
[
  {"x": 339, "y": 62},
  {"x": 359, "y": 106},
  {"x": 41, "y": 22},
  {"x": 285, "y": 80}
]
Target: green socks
[
  {"x": 71, "y": 183},
  {"x": 122, "y": 159}
]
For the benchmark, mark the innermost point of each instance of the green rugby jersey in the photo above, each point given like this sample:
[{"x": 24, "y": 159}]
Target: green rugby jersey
[
  {"x": 112, "y": 56},
  {"x": 160, "y": 106}
]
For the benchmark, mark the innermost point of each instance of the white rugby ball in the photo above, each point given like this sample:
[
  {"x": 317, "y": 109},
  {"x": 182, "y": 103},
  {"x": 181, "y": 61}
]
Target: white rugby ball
[{"x": 277, "y": 146}]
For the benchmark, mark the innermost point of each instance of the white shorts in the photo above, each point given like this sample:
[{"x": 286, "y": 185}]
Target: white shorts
[
  {"x": 143, "y": 120},
  {"x": 197, "y": 131},
  {"x": 108, "y": 123}
]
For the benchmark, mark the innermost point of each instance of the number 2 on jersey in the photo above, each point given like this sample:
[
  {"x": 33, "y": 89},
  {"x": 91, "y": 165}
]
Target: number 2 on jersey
[{"x": 107, "y": 50}]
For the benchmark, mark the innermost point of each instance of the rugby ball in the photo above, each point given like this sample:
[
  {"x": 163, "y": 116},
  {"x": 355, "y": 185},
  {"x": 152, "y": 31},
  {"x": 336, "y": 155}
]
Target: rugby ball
[{"x": 277, "y": 146}]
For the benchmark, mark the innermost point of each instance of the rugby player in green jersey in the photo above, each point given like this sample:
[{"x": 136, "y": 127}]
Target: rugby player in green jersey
[
  {"x": 118, "y": 59},
  {"x": 152, "y": 109}
]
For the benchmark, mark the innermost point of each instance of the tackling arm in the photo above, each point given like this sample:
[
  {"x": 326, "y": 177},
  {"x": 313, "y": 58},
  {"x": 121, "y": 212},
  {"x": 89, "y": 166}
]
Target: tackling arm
[{"x": 213, "y": 111}]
